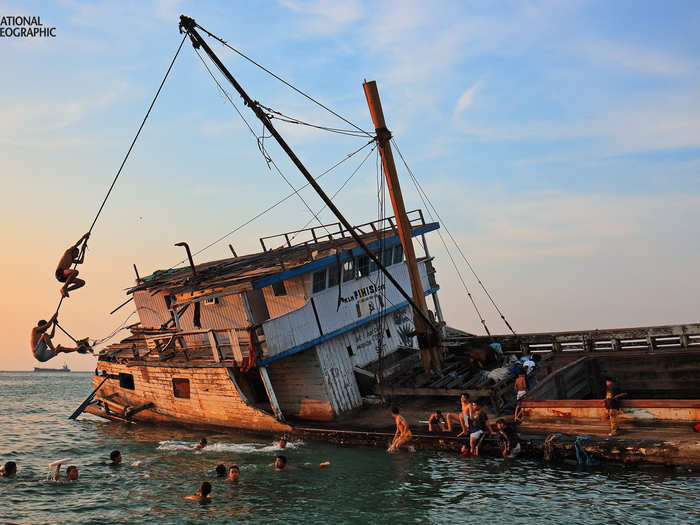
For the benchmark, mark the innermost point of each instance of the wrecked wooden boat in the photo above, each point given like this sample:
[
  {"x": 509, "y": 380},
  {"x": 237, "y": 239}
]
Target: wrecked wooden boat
[
  {"x": 662, "y": 390},
  {"x": 317, "y": 331},
  {"x": 256, "y": 340}
]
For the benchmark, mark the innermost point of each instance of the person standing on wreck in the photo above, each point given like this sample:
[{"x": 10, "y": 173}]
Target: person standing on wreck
[
  {"x": 403, "y": 433},
  {"x": 64, "y": 272},
  {"x": 612, "y": 403}
]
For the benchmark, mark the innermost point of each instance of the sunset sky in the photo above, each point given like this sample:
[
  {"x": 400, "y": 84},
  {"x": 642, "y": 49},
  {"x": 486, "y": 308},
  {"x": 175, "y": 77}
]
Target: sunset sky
[{"x": 559, "y": 141}]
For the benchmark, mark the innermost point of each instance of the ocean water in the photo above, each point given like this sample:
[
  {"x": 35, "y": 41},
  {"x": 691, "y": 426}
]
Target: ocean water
[{"x": 363, "y": 485}]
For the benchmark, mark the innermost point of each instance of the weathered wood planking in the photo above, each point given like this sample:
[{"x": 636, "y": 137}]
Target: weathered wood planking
[
  {"x": 300, "y": 387},
  {"x": 651, "y": 338},
  {"x": 213, "y": 400}
]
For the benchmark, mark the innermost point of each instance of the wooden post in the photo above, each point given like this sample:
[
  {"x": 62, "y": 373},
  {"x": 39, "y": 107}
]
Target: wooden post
[
  {"x": 431, "y": 359},
  {"x": 271, "y": 394},
  {"x": 214, "y": 346},
  {"x": 235, "y": 347}
]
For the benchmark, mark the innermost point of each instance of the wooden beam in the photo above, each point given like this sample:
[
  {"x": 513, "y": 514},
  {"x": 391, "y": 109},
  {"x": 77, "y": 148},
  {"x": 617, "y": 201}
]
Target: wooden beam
[
  {"x": 138, "y": 409},
  {"x": 214, "y": 346},
  {"x": 271, "y": 394},
  {"x": 442, "y": 392}
]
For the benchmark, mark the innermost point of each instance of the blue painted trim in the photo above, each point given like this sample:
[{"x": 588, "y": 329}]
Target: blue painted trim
[
  {"x": 331, "y": 335},
  {"x": 331, "y": 259}
]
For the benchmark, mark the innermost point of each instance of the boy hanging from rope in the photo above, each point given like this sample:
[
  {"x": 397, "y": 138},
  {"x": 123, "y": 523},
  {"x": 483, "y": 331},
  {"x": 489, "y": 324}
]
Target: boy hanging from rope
[
  {"x": 42, "y": 347},
  {"x": 64, "y": 272}
]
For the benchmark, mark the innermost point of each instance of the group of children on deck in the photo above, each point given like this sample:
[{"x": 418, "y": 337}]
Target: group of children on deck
[
  {"x": 42, "y": 347},
  {"x": 475, "y": 426}
]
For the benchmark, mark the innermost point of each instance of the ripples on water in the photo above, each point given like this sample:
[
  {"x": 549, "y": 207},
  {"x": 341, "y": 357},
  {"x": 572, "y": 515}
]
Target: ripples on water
[{"x": 363, "y": 485}]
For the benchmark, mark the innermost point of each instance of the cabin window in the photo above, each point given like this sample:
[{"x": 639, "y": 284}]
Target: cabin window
[
  {"x": 278, "y": 289},
  {"x": 387, "y": 256},
  {"x": 181, "y": 388},
  {"x": 126, "y": 381},
  {"x": 362, "y": 266},
  {"x": 319, "y": 281},
  {"x": 398, "y": 254},
  {"x": 333, "y": 275},
  {"x": 349, "y": 270},
  {"x": 350, "y": 352}
]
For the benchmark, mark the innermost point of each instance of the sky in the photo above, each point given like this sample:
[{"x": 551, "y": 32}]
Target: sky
[{"x": 558, "y": 141}]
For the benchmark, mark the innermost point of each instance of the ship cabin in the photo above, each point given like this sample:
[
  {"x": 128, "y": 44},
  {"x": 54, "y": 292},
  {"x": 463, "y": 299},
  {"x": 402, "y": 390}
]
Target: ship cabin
[{"x": 298, "y": 326}]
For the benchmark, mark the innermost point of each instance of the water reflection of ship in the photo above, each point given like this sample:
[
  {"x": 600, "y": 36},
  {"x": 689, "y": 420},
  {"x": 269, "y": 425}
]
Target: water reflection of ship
[{"x": 64, "y": 368}]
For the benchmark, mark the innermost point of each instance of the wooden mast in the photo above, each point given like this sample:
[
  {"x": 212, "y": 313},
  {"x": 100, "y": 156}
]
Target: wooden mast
[{"x": 427, "y": 341}]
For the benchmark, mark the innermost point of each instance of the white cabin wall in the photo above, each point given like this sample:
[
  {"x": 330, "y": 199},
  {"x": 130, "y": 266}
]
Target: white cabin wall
[
  {"x": 297, "y": 295},
  {"x": 339, "y": 375},
  {"x": 228, "y": 313},
  {"x": 151, "y": 309},
  {"x": 363, "y": 339},
  {"x": 300, "y": 387}
]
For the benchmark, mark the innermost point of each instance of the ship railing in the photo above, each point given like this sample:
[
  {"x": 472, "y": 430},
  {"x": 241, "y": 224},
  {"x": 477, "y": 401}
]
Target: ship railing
[
  {"x": 639, "y": 339},
  {"x": 219, "y": 345},
  {"x": 335, "y": 230}
]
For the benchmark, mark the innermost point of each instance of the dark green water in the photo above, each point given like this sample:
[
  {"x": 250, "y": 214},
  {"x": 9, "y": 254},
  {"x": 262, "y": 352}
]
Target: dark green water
[{"x": 363, "y": 485}]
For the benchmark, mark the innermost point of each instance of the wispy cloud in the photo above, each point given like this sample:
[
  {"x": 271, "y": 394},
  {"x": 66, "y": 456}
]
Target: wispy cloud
[
  {"x": 323, "y": 17},
  {"x": 636, "y": 58},
  {"x": 467, "y": 98}
]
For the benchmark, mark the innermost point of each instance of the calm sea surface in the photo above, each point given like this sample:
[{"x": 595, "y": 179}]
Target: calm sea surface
[{"x": 363, "y": 485}]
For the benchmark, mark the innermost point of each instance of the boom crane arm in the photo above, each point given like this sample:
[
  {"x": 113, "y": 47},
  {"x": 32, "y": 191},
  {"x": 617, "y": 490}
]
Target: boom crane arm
[{"x": 189, "y": 25}]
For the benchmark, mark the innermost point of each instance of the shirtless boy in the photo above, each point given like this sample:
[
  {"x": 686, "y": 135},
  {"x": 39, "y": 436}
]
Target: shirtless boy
[
  {"x": 403, "y": 433},
  {"x": 40, "y": 341},
  {"x": 64, "y": 272}
]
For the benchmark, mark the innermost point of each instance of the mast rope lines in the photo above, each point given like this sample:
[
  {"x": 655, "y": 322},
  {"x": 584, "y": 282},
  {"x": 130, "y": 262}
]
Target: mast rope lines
[
  {"x": 424, "y": 197},
  {"x": 119, "y": 171},
  {"x": 260, "y": 139},
  {"x": 189, "y": 26}
]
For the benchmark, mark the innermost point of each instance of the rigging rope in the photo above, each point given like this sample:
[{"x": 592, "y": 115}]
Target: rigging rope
[
  {"x": 422, "y": 193},
  {"x": 273, "y": 113},
  {"x": 133, "y": 142},
  {"x": 338, "y": 190},
  {"x": 309, "y": 97},
  {"x": 273, "y": 206},
  {"x": 261, "y": 145}
]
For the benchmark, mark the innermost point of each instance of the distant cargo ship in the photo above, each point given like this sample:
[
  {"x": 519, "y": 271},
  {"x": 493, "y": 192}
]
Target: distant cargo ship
[{"x": 64, "y": 368}]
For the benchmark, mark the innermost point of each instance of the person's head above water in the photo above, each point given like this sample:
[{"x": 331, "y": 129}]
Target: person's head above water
[
  {"x": 202, "y": 443},
  {"x": 280, "y": 462},
  {"x": 9, "y": 469},
  {"x": 283, "y": 442},
  {"x": 221, "y": 470},
  {"x": 72, "y": 473},
  {"x": 115, "y": 457},
  {"x": 234, "y": 473},
  {"x": 204, "y": 490}
]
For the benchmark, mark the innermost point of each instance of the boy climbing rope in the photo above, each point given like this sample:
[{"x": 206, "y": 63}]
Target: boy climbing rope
[
  {"x": 64, "y": 272},
  {"x": 42, "y": 347}
]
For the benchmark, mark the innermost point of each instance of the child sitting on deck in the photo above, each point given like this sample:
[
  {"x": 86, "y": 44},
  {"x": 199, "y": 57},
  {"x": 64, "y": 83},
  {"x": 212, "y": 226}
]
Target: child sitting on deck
[{"x": 436, "y": 419}]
